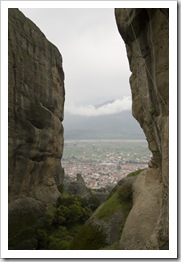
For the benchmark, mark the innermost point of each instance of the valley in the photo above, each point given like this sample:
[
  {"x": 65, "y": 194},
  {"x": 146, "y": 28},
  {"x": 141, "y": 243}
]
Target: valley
[{"x": 102, "y": 163}]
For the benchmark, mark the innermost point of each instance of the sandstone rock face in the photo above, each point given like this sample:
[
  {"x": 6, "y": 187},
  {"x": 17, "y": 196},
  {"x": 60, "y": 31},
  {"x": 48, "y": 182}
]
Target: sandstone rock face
[
  {"x": 36, "y": 102},
  {"x": 107, "y": 222},
  {"x": 24, "y": 215},
  {"x": 146, "y": 35},
  {"x": 143, "y": 217},
  {"x": 77, "y": 188}
]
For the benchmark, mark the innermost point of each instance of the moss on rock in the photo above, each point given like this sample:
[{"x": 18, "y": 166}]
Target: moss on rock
[
  {"x": 91, "y": 237},
  {"x": 120, "y": 200},
  {"x": 135, "y": 173},
  {"x": 103, "y": 230}
]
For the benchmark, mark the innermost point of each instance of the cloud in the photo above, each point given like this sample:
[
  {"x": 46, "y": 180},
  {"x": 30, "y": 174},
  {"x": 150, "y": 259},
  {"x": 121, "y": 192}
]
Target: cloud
[
  {"x": 116, "y": 106},
  {"x": 94, "y": 55}
]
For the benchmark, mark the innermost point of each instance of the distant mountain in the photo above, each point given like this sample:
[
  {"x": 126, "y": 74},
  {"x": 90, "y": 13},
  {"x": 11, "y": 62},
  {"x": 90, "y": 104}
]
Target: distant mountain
[{"x": 115, "y": 126}]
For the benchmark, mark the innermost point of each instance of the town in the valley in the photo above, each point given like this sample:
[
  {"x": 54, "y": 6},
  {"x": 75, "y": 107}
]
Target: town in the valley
[{"x": 104, "y": 163}]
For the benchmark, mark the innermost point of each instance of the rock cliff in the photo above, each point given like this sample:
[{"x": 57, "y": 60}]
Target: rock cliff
[
  {"x": 35, "y": 114},
  {"x": 135, "y": 215},
  {"x": 146, "y": 35}
]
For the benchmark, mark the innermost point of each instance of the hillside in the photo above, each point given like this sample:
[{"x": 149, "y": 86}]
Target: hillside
[{"x": 115, "y": 126}]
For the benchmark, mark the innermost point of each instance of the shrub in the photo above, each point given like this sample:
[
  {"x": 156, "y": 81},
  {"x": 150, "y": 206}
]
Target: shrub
[
  {"x": 57, "y": 244},
  {"x": 61, "y": 215},
  {"x": 90, "y": 237},
  {"x": 93, "y": 202},
  {"x": 48, "y": 220},
  {"x": 43, "y": 239},
  {"x": 62, "y": 223}
]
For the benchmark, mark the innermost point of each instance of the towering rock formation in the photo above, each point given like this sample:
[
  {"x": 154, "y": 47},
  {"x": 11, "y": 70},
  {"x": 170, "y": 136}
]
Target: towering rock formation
[
  {"x": 36, "y": 103},
  {"x": 146, "y": 34}
]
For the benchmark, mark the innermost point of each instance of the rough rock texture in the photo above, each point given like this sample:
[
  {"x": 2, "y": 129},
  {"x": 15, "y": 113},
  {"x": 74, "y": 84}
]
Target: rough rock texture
[
  {"x": 35, "y": 104},
  {"x": 24, "y": 216},
  {"x": 146, "y": 35},
  {"x": 77, "y": 188},
  {"x": 143, "y": 217},
  {"x": 107, "y": 222}
]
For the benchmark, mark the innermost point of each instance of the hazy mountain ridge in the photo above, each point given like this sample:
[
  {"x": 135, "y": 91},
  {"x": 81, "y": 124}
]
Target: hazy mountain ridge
[{"x": 115, "y": 126}]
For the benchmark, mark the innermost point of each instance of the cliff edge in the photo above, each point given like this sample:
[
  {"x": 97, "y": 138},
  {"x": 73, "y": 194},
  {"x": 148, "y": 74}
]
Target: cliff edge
[
  {"x": 35, "y": 132},
  {"x": 146, "y": 35}
]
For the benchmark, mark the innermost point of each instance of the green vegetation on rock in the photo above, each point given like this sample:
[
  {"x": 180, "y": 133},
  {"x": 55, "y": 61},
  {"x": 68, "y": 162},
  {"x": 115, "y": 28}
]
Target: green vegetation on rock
[
  {"x": 109, "y": 207},
  {"x": 103, "y": 230},
  {"x": 135, "y": 173},
  {"x": 90, "y": 237},
  {"x": 121, "y": 199},
  {"x": 63, "y": 222},
  {"x": 114, "y": 246}
]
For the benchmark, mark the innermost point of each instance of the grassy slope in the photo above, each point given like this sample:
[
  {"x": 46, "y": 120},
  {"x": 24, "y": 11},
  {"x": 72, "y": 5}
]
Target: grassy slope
[{"x": 92, "y": 236}]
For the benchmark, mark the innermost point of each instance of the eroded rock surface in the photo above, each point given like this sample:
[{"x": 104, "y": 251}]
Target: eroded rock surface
[
  {"x": 146, "y": 35},
  {"x": 104, "y": 227},
  {"x": 35, "y": 104}
]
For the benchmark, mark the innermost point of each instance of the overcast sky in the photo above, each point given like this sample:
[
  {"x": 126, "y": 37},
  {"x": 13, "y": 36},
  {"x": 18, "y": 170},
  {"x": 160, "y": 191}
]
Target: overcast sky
[{"x": 94, "y": 56}]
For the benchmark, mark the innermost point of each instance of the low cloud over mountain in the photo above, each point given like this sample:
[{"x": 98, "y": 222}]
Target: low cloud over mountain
[
  {"x": 115, "y": 126},
  {"x": 108, "y": 108}
]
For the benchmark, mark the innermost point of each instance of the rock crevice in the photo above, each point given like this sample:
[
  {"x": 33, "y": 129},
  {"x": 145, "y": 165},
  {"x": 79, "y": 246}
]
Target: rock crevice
[{"x": 35, "y": 136}]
